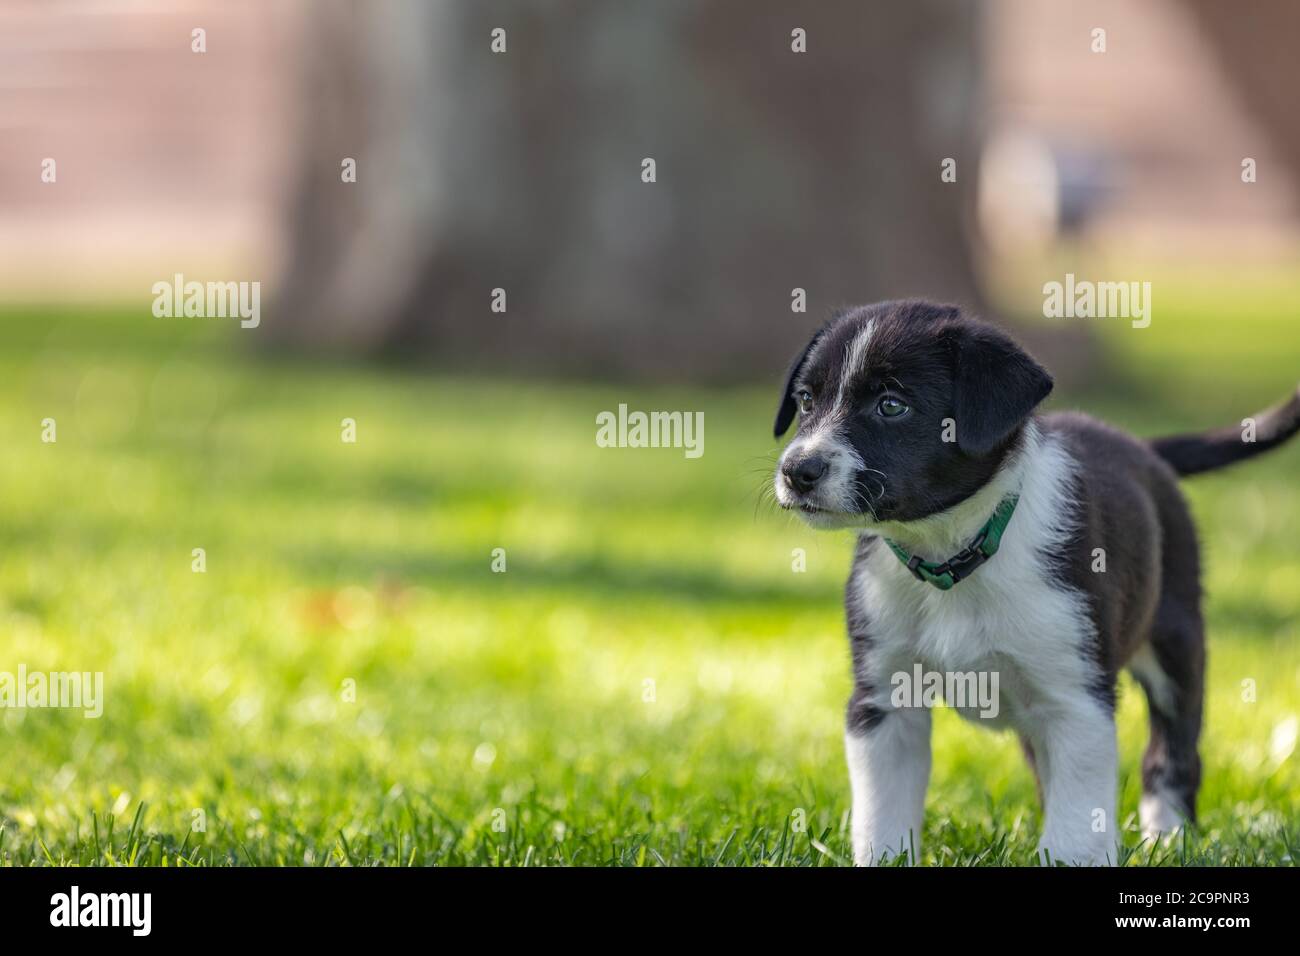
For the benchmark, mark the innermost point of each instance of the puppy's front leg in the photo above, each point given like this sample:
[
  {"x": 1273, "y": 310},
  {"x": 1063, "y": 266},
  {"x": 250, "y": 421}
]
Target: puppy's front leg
[
  {"x": 1078, "y": 746},
  {"x": 889, "y": 768}
]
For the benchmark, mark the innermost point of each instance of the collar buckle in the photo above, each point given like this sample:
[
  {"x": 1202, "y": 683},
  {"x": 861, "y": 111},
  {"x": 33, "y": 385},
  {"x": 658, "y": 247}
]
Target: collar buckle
[{"x": 965, "y": 561}]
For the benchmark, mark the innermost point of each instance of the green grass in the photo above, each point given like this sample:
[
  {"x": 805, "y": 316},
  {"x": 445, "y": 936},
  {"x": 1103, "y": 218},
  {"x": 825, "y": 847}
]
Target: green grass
[{"x": 508, "y": 718}]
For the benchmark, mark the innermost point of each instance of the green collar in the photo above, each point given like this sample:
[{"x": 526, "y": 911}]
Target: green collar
[{"x": 962, "y": 564}]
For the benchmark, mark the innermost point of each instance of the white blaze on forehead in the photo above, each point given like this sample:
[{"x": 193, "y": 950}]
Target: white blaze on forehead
[
  {"x": 854, "y": 356},
  {"x": 825, "y": 439}
]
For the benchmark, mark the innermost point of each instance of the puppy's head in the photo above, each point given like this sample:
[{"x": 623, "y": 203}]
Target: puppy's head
[{"x": 904, "y": 409}]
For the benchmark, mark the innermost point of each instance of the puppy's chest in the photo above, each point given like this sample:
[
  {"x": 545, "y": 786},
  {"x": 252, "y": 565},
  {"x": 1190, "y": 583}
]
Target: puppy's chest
[{"x": 1014, "y": 619}]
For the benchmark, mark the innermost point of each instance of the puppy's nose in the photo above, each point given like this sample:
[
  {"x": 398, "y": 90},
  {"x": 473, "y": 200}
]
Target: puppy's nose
[{"x": 804, "y": 474}]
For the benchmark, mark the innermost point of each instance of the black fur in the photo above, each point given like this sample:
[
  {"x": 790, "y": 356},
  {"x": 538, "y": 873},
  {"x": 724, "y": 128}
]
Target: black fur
[
  {"x": 787, "y": 409},
  {"x": 995, "y": 388},
  {"x": 1193, "y": 454}
]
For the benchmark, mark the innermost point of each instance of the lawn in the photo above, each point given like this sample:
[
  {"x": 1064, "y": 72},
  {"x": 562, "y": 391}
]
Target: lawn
[{"x": 648, "y": 682}]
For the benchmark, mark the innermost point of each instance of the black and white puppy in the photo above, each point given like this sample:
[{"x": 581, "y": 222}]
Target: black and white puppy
[{"x": 1052, "y": 550}]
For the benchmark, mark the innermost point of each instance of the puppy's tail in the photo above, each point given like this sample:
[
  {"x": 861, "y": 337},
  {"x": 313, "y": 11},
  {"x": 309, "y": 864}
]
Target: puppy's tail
[{"x": 1193, "y": 454}]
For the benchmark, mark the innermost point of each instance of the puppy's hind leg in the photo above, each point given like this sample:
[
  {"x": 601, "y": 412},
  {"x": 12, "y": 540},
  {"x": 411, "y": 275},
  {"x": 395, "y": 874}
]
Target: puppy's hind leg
[{"x": 1171, "y": 672}]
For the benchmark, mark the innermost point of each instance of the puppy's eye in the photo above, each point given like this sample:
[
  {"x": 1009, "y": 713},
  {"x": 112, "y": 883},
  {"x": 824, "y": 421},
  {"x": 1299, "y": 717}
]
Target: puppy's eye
[
  {"x": 803, "y": 398},
  {"x": 890, "y": 407}
]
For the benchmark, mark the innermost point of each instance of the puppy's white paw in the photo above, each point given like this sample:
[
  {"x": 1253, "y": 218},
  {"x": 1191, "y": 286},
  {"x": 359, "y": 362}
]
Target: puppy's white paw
[
  {"x": 1161, "y": 816},
  {"x": 1097, "y": 852}
]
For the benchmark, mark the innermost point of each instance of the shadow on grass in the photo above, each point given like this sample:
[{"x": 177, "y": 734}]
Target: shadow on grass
[
  {"x": 1251, "y": 621},
  {"x": 587, "y": 577}
]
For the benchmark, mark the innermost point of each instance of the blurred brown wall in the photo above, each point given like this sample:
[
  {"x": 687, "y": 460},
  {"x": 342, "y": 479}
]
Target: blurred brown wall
[{"x": 167, "y": 160}]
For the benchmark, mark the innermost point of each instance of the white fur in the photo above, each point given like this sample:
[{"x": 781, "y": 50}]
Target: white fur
[
  {"x": 1160, "y": 689},
  {"x": 889, "y": 769},
  {"x": 854, "y": 357},
  {"x": 1159, "y": 814},
  {"x": 1014, "y": 616}
]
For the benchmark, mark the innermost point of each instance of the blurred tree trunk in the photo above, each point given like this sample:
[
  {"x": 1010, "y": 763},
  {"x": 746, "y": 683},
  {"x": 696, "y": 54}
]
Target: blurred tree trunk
[{"x": 521, "y": 170}]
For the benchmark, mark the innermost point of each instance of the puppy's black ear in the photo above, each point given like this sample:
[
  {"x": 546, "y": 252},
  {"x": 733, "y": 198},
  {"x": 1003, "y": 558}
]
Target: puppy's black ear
[
  {"x": 786, "y": 410},
  {"x": 996, "y": 386}
]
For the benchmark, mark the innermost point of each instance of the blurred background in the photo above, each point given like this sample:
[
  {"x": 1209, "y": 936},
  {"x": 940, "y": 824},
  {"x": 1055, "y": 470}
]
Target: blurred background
[
  {"x": 521, "y": 170},
  {"x": 652, "y": 679}
]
